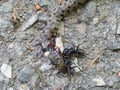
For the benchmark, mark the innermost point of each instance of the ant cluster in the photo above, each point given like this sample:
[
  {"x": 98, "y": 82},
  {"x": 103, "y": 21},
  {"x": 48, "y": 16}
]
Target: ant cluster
[{"x": 63, "y": 60}]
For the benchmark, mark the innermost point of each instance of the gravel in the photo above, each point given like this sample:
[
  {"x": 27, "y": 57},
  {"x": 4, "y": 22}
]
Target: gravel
[
  {"x": 95, "y": 26},
  {"x": 25, "y": 74}
]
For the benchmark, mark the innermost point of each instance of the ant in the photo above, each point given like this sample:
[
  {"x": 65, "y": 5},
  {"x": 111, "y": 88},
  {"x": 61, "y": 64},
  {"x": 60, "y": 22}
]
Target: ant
[
  {"x": 55, "y": 54},
  {"x": 68, "y": 53},
  {"x": 64, "y": 57}
]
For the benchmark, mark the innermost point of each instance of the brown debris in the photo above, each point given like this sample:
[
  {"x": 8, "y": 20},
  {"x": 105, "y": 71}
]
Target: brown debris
[
  {"x": 15, "y": 16},
  {"x": 118, "y": 74},
  {"x": 37, "y": 7},
  {"x": 29, "y": 47},
  {"x": 97, "y": 58}
]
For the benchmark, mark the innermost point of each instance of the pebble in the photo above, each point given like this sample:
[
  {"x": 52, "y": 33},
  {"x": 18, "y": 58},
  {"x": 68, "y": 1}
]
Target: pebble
[
  {"x": 25, "y": 74},
  {"x": 46, "y": 54},
  {"x": 24, "y": 87},
  {"x": 95, "y": 20},
  {"x": 96, "y": 27},
  {"x": 118, "y": 74},
  {"x": 45, "y": 67},
  {"x": 99, "y": 81},
  {"x": 6, "y": 70},
  {"x": 59, "y": 43},
  {"x": 44, "y": 2},
  {"x": 75, "y": 64},
  {"x": 10, "y": 88}
]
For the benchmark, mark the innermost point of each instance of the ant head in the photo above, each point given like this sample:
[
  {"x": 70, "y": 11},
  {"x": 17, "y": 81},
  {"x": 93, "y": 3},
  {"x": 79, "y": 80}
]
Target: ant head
[{"x": 71, "y": 51}]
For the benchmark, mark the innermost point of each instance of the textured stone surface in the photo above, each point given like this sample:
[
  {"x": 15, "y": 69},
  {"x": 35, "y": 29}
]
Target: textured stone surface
[
  {"x": 25, "y": 74},
  {"x": 95, "y": 26}
]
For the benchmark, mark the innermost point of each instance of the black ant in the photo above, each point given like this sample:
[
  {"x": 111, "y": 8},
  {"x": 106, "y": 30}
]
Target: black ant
[{"x": 68, "y": 53}]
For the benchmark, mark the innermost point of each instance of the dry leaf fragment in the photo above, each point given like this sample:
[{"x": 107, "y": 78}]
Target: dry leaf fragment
[
  {"x": 28, "y": 46},
  {"x": 37, "y": 7}
]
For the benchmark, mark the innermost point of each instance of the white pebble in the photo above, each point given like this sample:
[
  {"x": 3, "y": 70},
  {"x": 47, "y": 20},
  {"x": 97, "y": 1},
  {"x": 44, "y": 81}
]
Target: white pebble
[
  {"x": 10, "y": 88},
  {"x": 6, "y": 70},
  {"x": 46, "y": 54},
  {"x": 59, "y": 43},
  {"x": 75, "y": 64},
  {"x": 99, "y": 81}
]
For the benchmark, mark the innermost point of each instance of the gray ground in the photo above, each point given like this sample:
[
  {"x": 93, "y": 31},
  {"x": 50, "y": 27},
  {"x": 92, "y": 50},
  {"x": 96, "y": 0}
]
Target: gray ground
[{"x": 95, "y": 26}]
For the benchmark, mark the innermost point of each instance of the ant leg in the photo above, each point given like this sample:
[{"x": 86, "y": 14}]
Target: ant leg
[
  {"x": 77, "y": 47},
  {"x": 69, "y": 72}
]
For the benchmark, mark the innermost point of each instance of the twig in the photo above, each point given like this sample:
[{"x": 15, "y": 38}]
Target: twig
[{"x": 98, "y": 56}]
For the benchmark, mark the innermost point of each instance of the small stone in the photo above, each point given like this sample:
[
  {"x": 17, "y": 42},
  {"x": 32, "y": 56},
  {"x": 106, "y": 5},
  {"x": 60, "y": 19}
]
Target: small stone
[
  {"x": 45, "y": 67},
  {"x": 95, "y": 20},
  {"x": 59, "y": 43},
  {"x": 44, "y": 2},
  {"x": 24, "y": 87},
  {"x": 37, "y": 7},
  {"x": 75, "y": 64},
  {"x": 10, "y": 88},
  {"x": 99, "y": 81},
  {"x": 118, "y": 74},
  {"x": 46, "y": 54},
  {"x": 6, "y": 70},
  {"x": 25, "y": 74}
]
